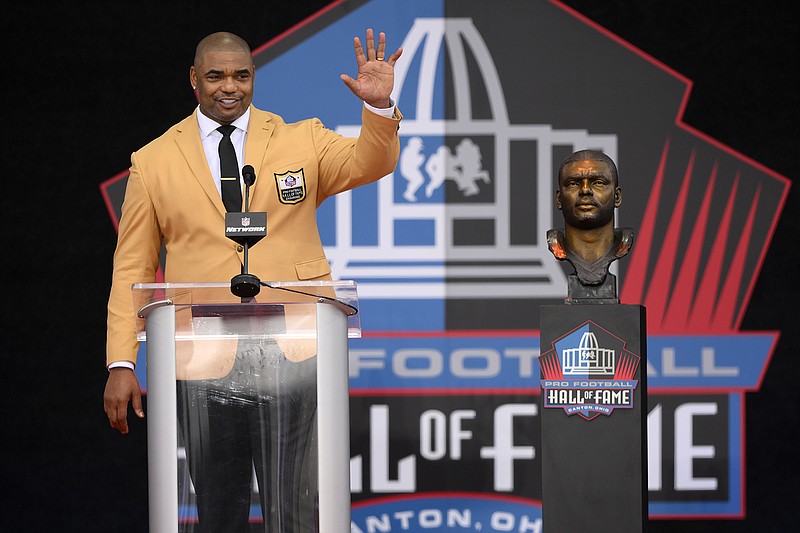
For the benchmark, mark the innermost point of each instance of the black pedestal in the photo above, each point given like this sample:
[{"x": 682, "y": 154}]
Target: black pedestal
[{"x": 594, "y": 418}]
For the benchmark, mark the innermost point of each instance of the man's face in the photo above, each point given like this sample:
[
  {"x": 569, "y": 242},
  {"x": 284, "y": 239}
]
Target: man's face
[
  {"x": 224, "y": 81},
  {"x": 587, "y": 194}
]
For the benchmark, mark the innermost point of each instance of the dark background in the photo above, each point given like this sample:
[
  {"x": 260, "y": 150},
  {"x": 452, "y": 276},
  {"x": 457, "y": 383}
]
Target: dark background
[{"x": 86, "y": 83}]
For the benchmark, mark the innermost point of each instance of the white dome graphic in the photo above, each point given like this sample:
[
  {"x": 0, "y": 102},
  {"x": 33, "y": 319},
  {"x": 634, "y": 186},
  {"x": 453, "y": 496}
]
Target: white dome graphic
[
  {"x": 452, "y": 187},
  {"x": 588, "y": 358}
]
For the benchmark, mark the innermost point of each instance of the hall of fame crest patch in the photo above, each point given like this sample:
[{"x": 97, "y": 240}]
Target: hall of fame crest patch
[{"x": 291, "y": 186}]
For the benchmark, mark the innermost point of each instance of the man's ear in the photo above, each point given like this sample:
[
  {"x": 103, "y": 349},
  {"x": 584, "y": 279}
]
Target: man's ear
[
  {"x": 558, "y": 199},
  {"x": 617, "y": 197}
]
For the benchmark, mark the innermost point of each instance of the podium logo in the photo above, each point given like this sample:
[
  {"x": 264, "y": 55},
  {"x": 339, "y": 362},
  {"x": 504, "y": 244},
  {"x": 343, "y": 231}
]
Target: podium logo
[
  {"x": 447, "y": 220},
  {"x": 587, "y": 379}
]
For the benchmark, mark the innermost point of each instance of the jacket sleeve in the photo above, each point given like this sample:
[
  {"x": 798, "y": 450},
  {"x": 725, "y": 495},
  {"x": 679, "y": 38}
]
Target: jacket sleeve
[
  {"x": 346, "y": 163},
  {"x": 135, "y": 261}
]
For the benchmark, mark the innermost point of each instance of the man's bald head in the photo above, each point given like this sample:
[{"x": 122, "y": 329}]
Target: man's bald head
[{"x": 221, "y": 41}]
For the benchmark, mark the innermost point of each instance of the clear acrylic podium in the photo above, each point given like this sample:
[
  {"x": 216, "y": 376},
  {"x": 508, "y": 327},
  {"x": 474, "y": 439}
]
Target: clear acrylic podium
[{"x": 207, "y": 350}]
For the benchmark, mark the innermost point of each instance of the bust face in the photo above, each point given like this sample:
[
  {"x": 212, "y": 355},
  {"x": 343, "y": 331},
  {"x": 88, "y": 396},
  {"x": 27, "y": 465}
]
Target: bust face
[{"x": 587, "y": 194}]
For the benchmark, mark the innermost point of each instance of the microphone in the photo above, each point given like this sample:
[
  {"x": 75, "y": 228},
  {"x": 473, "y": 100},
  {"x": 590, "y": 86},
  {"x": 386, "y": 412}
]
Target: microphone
[
  {"x": 247, "y": 229},
  {"x": 249, "y": 177}
]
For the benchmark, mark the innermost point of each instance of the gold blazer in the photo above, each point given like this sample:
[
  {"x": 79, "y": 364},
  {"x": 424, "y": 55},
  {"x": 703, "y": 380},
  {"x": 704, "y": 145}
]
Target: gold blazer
[{"x": 171, "y": 200}]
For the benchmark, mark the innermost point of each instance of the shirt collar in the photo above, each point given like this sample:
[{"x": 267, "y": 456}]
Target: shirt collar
[{"x": 207, "y": 125}]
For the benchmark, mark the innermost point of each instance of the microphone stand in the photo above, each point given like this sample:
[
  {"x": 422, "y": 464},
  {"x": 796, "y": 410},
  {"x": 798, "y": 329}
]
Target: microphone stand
[{"x": 246, "y": 285}]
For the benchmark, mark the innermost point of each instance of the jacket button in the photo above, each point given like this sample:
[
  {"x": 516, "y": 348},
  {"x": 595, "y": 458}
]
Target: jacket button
[{"x": 239, "y": 248}]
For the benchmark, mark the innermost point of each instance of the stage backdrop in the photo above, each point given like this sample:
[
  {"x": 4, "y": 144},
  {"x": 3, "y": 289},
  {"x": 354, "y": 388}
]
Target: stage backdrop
[{"x": 450, "y": 256}]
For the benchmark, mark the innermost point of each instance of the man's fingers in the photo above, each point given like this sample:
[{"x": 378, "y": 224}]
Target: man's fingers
[
  {"x": 395, "y": 56},
  {"x": 373, "y": 52},
  {"x": 350, "y": 82},
  {"x": 136, "y": 403},
  {"x": 122, "y": 424},
  {"x": 118, "y": 416},
  {"x": 360, "y": 59},
  {"x": 379, "y": 53},
  {"x": 370, "y": 44}
]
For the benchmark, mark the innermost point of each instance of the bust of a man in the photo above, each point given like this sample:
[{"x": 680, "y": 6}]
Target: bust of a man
[{"x": 588, "y": 192}]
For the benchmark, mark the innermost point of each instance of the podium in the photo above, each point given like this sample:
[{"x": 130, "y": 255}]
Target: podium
[
  {"x": 594, "y": 418},
  {"x": 206, "y": 349}
]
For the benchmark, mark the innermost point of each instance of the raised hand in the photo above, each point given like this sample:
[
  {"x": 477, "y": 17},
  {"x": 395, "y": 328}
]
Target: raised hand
[{"x": 375, "y": 79}]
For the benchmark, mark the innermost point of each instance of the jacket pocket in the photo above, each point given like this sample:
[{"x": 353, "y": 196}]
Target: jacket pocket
[
  {"x": 292, "y": 162},
  {"x": 316, "y": 268}
]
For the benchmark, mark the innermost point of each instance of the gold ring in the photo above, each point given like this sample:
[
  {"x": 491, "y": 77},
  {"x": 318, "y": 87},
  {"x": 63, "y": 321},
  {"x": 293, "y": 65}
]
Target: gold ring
[{"x": 379, "y": 58}]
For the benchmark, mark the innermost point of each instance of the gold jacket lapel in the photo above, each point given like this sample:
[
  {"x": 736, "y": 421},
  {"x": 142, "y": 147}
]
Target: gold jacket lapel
[
  {"x": 259, "y": 132},
  {"x": 188, "y": 141}
]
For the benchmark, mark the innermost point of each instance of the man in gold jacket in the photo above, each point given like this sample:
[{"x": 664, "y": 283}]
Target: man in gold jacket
[{"x": 173, "y": 196}]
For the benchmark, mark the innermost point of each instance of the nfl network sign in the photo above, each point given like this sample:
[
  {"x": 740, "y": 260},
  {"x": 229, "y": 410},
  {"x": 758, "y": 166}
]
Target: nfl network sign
[{"x": 452, "y": 266}]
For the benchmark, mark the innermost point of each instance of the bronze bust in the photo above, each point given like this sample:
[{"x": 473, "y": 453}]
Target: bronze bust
[{"x": 588, "y": 193}]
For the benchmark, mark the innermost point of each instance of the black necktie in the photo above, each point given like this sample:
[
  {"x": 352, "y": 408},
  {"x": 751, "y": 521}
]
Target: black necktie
[{"x": 229, "y": 171}]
